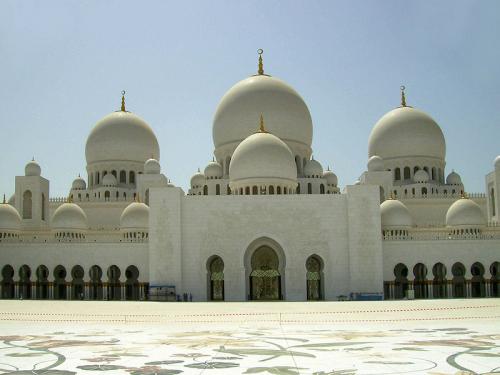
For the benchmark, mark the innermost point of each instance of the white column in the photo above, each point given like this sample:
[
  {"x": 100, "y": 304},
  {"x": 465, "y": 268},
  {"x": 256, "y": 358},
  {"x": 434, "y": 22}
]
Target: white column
[
  {"x": 105, "y": 291},
  {"x": 69, "y": 289},
  {"x": 468, "y": 289},
  {"x": 16, "y": 290},
  {"x": 87, "y": 291},
  {"x": 122, "y": 291},
  {"x": 33, "y": 290},
  {"x": 449, "y": 288},
  {"x": 487, "y": 287}
]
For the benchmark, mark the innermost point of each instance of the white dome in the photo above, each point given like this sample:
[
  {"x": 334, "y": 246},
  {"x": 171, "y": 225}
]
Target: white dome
[
  {"x": 213, "y": 170},
  {"x": 135, "y": 216},
  {"x": 121, "y": 136},
  {"x": 10, "y": 220},
  {"x": 465, "y": 213},
  {"x": 78, "y": 184},
  {"x": 198, "y": 179},
  {"x": 313, "y": 169},
  {"x": 32, "y": 169},
  {"x": 69, "y": 216},
  {"x": 12, "y": 200},
  {"x": 331, "y": 178},
  {"x": 406, "y": 132},
  {"x": 262, "y": 156},
  {"x": 152, "y": 166},
  {"x": 453, "y": 179},
  {"x": 375, "y": 164},
  {"x": 497, "y": 162},
  {"x": 395, "y": 215},
  {"x": 109, "y": 180},
  {"x": 284, "y": 110},
  {"x": 421, "y": 176}
]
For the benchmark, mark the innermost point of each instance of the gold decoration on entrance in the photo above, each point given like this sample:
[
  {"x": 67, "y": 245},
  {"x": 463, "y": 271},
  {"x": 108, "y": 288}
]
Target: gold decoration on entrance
[
  {"x": 123, "y": 101},
  {"x": 260, "y": 51}
]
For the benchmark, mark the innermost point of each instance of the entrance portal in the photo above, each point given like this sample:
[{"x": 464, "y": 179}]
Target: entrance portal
[{"x": 265, "y": 278}]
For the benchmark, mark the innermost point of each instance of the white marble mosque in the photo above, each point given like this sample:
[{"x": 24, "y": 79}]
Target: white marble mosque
[{"x": 263, "y": 221}]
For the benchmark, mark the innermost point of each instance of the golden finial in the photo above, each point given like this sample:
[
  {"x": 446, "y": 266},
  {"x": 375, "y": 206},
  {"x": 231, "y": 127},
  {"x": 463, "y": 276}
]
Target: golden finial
[
  {"x": 260, "y": 51},
  {"x": 262, "y": 129},
  {"x": 4, "y": 199},
  {"x": 123, "y": 101},
  {"x": 403, "y": 97}
]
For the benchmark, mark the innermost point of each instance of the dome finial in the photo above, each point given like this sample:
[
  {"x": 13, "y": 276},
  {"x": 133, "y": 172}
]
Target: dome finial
[
  {"x": 260, "y": 51},
  {"x": 4, "y": 198},
  {"x": 403, "y": 97},
  {"x": 123, "y": 101},
  {"x": 33, "y": 158},
  {"x": 262, "y": 129}
]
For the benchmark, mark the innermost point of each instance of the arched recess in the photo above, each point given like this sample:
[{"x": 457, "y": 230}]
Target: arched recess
[
  {"x": 27, "y": 205},
  {"x": 265, "y": 264},
  {"x": 439, "y": 282},
  {"x": 314, "y": 278},
  {"x": 24, "y": 282},
  {"x": 132, "y": 283},
  {"x": 7, "y": 282},
  {"x": 114, "y": 287},
  {"x": 495, "y": 279},
  {"x": 42, "y": 282},
  {"x": 215, "y": 278},
  {"x": 477, "y": 282},
  {"x": 77, "y": 285},
  {"x": 60, "y": 282},
  {"x": 400, "y": 281},
  {"x": 458, "y": 271},
  {"x": 95, "y": 290},
  {"x": 43, "y": 207},
  {"x": 420, "y": 281}
]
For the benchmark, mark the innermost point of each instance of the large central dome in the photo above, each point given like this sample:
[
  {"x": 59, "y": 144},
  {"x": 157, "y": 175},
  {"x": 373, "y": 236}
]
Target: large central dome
[{"x": 284, "y": 109}]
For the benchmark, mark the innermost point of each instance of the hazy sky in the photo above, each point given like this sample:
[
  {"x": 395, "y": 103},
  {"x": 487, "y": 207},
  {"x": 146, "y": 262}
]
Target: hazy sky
[{"x": 63, "y": 65}]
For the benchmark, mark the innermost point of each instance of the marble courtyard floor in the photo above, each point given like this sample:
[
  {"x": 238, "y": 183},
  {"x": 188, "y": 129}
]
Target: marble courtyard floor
[{"x": 138, "y": 338}]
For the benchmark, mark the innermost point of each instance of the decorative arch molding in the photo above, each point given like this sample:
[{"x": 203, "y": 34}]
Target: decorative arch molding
[{"x": 264, "y": 241}]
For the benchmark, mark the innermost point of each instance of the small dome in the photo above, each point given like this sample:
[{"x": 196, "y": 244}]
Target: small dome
[
  {"x": 213, "y": 170},
  {"x": 395, "y": 215},
  {"x": 497, "y": 162},
  {"x": 10, "y": 220},
  {"x": 32, "y": 169},
  {"x": 313, "y": 169},
  {"x": 12, "y": 200},
  {"x": 331, "y": 178},
  {"x": 78, "y": 184},
  {"x": 453, "y": 179},
  {"x": 375, "y": 164},
  {"x": 262, "y": 156},
  {"x": 285, "y": 111},
  {"x": 109, "y": 180},
  {"x": 406, "y": 132},
  {"x": 421, "y": 176},
  {"x": 121, "y": 136},
  {"x": 152, "y": 166},
  {"x": 198, "y": 179},
  {"x": 69, "y": 216},
  {"x": 135, "y": 216},
  {"x": 465, "y": 213}
]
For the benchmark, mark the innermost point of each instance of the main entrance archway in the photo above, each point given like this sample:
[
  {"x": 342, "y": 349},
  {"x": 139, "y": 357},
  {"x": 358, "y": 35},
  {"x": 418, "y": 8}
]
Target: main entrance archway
[{"x": 265, "y": 278}]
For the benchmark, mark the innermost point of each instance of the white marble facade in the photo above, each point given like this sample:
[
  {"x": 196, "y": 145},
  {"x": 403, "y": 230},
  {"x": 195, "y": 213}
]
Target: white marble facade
[{"x": 264, "y": 220}]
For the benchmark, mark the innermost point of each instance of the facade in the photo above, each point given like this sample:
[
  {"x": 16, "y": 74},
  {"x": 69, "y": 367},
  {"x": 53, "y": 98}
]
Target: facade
[{"x": 263, "y": 221}]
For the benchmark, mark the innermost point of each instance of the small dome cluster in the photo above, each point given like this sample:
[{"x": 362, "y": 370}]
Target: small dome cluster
[
  {"x": 32, "y": 169},
  {"x": 152, "y": 166},
  {"x": 313, "y": 169},
  {"x": 453, "y": 179},
  {"x": 78, "y": 184},
  {"x": 213, "y": 170}
]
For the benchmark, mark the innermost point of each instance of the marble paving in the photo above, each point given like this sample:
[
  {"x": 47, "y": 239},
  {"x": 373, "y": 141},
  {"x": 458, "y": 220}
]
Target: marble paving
[{"x": 393, "y": 337}]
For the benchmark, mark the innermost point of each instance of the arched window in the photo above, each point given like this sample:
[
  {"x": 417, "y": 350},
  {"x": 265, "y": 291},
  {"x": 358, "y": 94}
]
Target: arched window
[
  {"x": 322, "y": 189},
  {"x": 439, "y": 282},
  {"x": 114, "y": 174},
  {"x": 228, "y": 190},
  {"x": 60, "y": 282},
  {"x": 95, "y": 287},
  {"x": 278, "y": 190},
  {"x": 424, "y": 191},
  {"x": 107, "y": 195},
  {"x": 215, "y": 266},
  {"x": 420, "y": 282},
  {"x": 217, "y": 189},
  {"x": 43, "y": 206},
  {"x": 401, "y": 281},
  {"x": 27, "y": 205},
  {"x": 77, "y": 285},
  {"x": 415, "y": 169},
  {"x": 205, "y": 190},
  {"x": 406, "y": 173},
  {"x": 298, "y": 188},
  {"x": 131, "y": 177},
  {"x": 123, "y": 177},
  {"x": 247, "y": 190},
  {"x": 426, "y": 169},
  {"x": 314, "y": 267},
  {"x": 458, "y": 271},
  {"x": 477, "y": 281},
  {"x": 97, "y": 176},
  {"x": 24, "y": 282},
  {"x": 132, "y": 283},
  {"x": 42, "y": 282},
  {"x": 8, "y": 282},
  {"x": 309, "y": 188},
  {"x": 495, "y": 279},
  {"x": 114, "y": 287},
  {"x": 397, "y": 174},
  {"x": 255, "y": 191},
  {"x": 146, "y": 197},
  {"x": 440, "y": 175},
  {"x": 271, "y": 190}
]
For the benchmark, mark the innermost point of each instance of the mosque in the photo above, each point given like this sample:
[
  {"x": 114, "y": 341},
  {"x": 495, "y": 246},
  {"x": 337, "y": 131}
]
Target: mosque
[{"x": 263, "y": 221}]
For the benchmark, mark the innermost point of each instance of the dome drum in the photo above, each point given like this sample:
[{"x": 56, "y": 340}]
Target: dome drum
[
  {"x": 69, "y": 219},
  {"x": 264, "y": 186}
]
